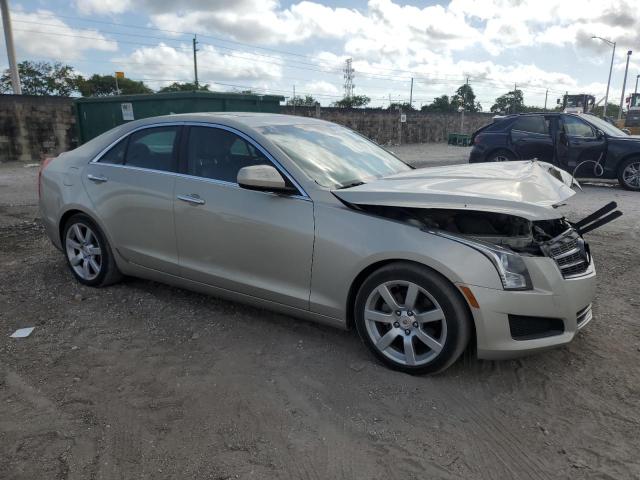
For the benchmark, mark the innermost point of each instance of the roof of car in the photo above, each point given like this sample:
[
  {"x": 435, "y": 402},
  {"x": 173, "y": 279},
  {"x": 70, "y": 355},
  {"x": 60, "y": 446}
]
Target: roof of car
[{"x": 250, "y": 119}]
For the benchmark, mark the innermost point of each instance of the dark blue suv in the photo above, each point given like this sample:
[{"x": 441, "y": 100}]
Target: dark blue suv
[{"x": 579, "y": 143}]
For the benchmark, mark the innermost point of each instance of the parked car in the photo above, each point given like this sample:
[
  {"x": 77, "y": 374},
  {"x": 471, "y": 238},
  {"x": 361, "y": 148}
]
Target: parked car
[
  {"x": 578, "y": 143},
  {"x": 311, "y": 219}
]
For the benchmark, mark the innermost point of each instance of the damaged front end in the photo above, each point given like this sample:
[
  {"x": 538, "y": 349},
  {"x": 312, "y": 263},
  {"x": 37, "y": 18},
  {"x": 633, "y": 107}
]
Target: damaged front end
[{"x": 505, "y": 238}]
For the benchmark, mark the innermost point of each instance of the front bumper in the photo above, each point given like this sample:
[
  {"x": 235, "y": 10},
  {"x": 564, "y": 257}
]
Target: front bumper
[
  {"x": 477, "y": 154},
  {"x": 553, "y": 298}
]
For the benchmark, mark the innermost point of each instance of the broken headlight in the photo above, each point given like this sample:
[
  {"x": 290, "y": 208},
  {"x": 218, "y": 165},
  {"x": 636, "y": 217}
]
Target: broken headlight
[{"x": 510, "y": 266}]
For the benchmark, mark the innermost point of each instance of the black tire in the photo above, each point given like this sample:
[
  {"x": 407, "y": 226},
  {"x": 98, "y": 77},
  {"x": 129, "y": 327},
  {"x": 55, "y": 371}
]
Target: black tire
[
  {"x": 456, "y": 324},
  {"x": 108, "y": 272},
  {"x": 624, "y": 183},
  {"x": 500, "y": 155}
]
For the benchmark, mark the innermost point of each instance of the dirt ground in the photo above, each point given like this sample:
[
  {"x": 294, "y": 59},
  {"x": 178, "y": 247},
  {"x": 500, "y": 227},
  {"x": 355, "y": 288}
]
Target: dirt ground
[{"x": 145, "y": 381}]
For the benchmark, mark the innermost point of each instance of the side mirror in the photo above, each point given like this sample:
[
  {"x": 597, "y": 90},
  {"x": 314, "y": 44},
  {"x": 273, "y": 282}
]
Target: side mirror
[
  {"x": 262, "y": 177},
  {"x": 599, "y": 133}
]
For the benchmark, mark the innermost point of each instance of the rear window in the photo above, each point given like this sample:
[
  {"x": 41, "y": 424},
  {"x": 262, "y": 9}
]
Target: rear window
[{"x": 532, "y": 124}]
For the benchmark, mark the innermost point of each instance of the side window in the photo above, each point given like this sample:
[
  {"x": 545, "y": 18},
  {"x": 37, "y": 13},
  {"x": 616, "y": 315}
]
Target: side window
[
  {"x": 575, "y": 127},
  {"x": 115, "y": 156},
  {"x": 532, "y": 124},
  {"x": 219, "y": 154},
  {"x": 153, "y": 148}
]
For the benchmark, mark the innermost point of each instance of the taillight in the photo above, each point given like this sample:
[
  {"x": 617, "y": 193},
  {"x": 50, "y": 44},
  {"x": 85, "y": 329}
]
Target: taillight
[
  {"x": 476, "y": 140},
  {"x": 43, "y": 165}
]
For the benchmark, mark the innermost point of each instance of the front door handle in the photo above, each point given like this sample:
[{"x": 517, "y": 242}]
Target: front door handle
[
  {"x": 192, "y": 198},
  {"x": 97, "y": 178}
]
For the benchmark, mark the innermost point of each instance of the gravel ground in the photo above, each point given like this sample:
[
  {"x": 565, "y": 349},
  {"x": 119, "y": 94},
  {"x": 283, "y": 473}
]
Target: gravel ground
[{"x": 141, "y": 380}]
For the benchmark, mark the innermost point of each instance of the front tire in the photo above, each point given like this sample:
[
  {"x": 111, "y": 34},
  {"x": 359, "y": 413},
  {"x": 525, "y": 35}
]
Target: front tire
[
  {"x": 629, "y": 174},
  {"x": 88, "y": 253},
  {"x": 412, "y": 318}
]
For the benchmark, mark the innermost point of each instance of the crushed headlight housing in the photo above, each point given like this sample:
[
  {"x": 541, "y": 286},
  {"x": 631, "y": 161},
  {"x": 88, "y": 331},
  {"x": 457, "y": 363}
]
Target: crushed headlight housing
[{"x": 510, "y": 266}]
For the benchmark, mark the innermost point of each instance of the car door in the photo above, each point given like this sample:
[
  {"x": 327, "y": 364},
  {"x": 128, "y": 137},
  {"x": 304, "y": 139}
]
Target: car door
[
  {"x": 253, "y": 242},
  {"x": 578, "y": 142},
  {"x": 531, "y": 138},
  {"x": 131, "y": 188}
]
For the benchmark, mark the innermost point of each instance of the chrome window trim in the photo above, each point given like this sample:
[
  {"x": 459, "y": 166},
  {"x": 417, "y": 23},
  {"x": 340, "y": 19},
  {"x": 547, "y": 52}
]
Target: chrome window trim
[{"x": 301, "y": 192}]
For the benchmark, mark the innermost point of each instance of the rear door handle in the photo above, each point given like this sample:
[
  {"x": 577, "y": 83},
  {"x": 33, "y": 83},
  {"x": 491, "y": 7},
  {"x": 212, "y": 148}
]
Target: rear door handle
[
  {"x": 97, "y": 178},
  {"x": 192, "y": 198}
]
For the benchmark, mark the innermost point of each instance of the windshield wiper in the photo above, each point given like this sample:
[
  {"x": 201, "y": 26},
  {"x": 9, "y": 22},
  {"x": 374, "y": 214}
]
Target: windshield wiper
[{"x": 351, "y": 184}]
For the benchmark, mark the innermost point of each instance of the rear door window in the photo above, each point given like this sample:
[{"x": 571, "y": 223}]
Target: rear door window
[
  {"x": 115, "y": 156},
  {"x": 532, "y": 124},
  {"x": 153, "y": 148}
]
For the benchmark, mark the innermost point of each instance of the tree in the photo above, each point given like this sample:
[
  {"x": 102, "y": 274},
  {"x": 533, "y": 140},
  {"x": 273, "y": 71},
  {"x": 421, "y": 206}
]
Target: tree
[
  {"x": 352, "y": 101},
  {"x": 612, "y": 110},
  {"x": 105, "y": 85},
  {"x": 465, "y": 96},
  {"x": 307, "y": 101},
  {"x": 439, "y": 105},
  {"x": 42, "y": 78},
  {"x": 511, "y": 102},
  {"x": 403, "y": 106},
  {"x": 183, "y": 87}
]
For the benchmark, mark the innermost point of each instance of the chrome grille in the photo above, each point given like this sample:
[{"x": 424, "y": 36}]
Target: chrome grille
[{"x": 570, "y": 253}]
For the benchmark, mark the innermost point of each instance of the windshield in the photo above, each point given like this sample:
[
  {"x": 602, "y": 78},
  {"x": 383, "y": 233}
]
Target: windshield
[
  {"x": 333, "y": 156},
  {"x": 606, "y": 127}
]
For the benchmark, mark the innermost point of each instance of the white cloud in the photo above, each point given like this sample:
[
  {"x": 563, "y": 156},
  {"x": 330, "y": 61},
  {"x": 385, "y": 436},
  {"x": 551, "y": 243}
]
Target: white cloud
[
  {"x": 165, "y": 64},
  {"x": 102, "y": 7},
  {"x": 39, "y": 34}
]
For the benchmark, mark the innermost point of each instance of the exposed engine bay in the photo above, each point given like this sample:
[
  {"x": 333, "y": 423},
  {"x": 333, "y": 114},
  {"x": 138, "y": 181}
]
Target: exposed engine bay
[{"x": 509, "y": 231}]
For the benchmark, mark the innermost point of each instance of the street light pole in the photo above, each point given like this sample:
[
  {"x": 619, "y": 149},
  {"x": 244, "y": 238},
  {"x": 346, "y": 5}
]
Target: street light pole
[
  {"x": 613, "y": 54},
  {"x": 11, "y": 51},
  {"x": 624, "y": 85},
  {"x": 636, "y": 90}
]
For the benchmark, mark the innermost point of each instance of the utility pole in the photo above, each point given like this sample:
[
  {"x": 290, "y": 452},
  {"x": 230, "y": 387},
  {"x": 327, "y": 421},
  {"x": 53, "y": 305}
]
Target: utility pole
[
  {"x": 411, "y": 94},
  {"x": 513, "y": 102},
  {"x": 195, "y": 61},
  {"x": 545, "y": 99},
  {"x": 293, "y": 99},
  {"x": 624, "y": 85},
  {"x": 613, "y": 55},
  {"x": 636, "y": 90},
  {"x": 11, "y": 52}
]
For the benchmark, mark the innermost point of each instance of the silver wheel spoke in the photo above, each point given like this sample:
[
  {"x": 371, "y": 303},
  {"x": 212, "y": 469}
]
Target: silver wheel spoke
[
  {"x": 379, "y": 317},
  {"x": 73, "y": 244},
  {"x": 409, "y": 352},
  {"x": 429, "y": 341},
  {"x": 76, "y": 260},
  {"x": 92, "y": 250},
  {"x": 387, "y": 339},
  {"x": 412, "y": 296},
  {"x": 387, "y": 297},
  {"x": 85, "y": 268},
  {"x": 78, "y": 233},
  {"x": 430, "y": 316},
  {"x": 94, "y": 265}
]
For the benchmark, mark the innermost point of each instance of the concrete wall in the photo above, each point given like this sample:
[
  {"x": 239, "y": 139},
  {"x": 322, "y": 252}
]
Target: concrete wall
[
  {"x": 34, "y": 127},
  {"x": 384, "y": 126}
]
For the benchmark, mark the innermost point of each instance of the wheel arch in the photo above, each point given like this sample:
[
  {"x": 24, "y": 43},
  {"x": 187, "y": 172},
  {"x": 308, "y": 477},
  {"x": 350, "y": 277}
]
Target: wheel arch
[
  {"x": 496, "y": 149},
  {"x": 369, "y": 269}
]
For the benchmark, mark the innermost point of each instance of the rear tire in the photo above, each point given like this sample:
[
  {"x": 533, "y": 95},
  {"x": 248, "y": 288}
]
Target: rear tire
[
  {"x": 629, "y": 174},
  {"x": 412, "y": 319},
  {"x": 88, "y": 253},
  {"x": 500, "y": 156}
]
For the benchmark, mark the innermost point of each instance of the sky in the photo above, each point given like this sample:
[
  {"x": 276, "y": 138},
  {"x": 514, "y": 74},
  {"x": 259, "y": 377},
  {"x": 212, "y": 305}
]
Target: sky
[{"x": 273, "y": 47}]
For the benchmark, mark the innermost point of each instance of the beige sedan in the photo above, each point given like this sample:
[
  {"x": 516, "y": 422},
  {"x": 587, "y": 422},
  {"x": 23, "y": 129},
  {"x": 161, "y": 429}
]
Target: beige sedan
[{"x": 313, "y": 220}]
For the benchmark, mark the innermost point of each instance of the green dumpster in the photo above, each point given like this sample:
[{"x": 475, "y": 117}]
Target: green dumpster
[{"x": 96, "y": 115}]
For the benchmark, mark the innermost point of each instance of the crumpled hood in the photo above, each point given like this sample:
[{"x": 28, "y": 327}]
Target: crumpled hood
[{"x": 529, "y": 189}]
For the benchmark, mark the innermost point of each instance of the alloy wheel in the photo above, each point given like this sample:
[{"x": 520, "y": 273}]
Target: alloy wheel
[
  {"x": 83, "y": 251},
  {"x": 405, "y": 323},
  {"x": 631, "y": 175}
]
